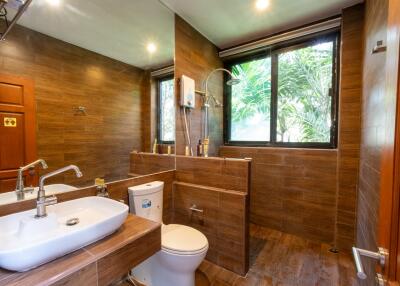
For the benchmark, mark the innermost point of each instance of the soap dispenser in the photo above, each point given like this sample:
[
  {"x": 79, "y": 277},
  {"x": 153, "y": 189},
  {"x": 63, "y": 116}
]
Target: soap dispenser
[{"x": 101, "y": 188}]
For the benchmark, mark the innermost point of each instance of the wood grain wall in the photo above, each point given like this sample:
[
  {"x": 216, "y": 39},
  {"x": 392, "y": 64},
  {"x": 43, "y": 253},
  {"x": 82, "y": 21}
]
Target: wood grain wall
[
  {"x": 311, "y": 192},
  {"x": 351, "y": 60},
  {"x": 292, "y": 190},
  {"x": 149, "y": 112},
  {"x": 336, "y": 192},
  {"x": 147, "y": 163},
  {"x": 230, "y": 174},
  {"x": 65, "y": 77},
  {"x": 372, "y": 136},
  {"x": 196, "y": 57},
  {"x": 220, "y": 188},
  {"x": 223, "y": 222}
]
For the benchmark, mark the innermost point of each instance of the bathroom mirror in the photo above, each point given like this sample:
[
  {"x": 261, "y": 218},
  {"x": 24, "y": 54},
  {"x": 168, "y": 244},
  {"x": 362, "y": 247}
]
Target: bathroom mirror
[{"x": 88, "y": 83}]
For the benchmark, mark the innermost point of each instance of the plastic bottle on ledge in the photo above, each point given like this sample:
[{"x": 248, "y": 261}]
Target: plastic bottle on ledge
[
  {"x": 200, "y": 149},
  {"x": 206, "y": 142},
  {"x": 155, "y": 146}
]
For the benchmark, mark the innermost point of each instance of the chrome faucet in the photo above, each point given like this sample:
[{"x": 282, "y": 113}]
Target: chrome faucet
[
  {"x": 20, "y": 188},
  {"x": 42, "y": 201}
]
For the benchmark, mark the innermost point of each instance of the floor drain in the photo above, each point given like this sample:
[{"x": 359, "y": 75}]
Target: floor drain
[
  {"x": 72, "y": 221},
  {"x": 334, "y": 250}
]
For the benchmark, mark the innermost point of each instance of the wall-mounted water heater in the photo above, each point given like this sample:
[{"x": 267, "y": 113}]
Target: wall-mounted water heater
[{"x": 188, "y": 96}]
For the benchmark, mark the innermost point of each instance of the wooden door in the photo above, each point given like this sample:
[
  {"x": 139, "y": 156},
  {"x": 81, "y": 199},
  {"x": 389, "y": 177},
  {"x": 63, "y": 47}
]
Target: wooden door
[
  {"x": 17, "y": 129},
  {"x": 389, "y": 211}
]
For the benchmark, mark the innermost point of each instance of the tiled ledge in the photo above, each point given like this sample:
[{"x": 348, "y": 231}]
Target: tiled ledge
[{"x": 100, "y": 263}]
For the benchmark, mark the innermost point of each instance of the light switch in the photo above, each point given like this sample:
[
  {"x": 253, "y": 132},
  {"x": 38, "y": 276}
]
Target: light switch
[{"x": 10, "y": 122}]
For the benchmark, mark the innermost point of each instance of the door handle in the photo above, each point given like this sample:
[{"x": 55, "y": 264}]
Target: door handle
[
  {"x": 381, "y": 255},
  {"x": 379, "y": 280}
]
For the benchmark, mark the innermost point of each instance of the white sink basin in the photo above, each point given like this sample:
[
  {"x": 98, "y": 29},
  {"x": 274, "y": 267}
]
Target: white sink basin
[
  {"x": 27, "y": 242},
  {"x": 54, "y": 189}
]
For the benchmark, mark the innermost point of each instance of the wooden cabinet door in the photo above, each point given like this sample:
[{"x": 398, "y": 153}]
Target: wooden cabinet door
[{"x": 17, "y": 129}]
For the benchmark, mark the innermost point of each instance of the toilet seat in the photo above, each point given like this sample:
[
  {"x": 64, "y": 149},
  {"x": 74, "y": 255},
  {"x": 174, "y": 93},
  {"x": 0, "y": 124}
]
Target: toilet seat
[{"x": 182, "y": 240}]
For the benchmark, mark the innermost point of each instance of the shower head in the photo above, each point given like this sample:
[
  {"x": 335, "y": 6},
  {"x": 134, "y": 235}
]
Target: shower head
[{"x": 233, "y": 81}]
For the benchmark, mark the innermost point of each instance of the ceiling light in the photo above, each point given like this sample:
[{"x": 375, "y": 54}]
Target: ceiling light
[
  {"x": 54, "y": 2},
  {"x": 262, "y": 4},
  {"x": 151, "y": 48}
]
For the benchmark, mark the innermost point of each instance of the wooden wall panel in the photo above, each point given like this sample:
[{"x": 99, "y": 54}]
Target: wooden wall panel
[
  {"x": 220, "y": 186},
  {"x": 292, "y": 190},
  {"x": 148, "y": 163},
  {"x": 65, "y": 77},
  {"x": 121, "y": 261},
  {"x": 196, "y": 57},
  {"x": 230, "y": 174},
  {"x": 224, "y": 222},
  {"x": 311, "y": 192},
  {"x": 149, "y": 112},
  {"x": 372, "y": 136},
  {"x": 349, "y": 124},
  {"x": 147, "y": 107},
  {"x": 86, "y": 276}
]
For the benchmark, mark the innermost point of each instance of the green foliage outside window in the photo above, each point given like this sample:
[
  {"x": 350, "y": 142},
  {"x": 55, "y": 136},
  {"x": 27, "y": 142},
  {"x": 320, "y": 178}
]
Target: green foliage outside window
[
  {"x": 304, "y": 103},
  {"x": 167, "y": 110}
]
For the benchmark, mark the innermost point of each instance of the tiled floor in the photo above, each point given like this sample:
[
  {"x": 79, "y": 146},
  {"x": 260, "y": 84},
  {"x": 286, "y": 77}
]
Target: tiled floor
[{"x": 281, "y": 259}]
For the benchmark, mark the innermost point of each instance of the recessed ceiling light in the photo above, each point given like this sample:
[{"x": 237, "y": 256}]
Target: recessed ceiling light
[
  {"x": 54, "y": 2},
  {"x": 151, "y": 48},
  {"x": 262, "y": 4}
]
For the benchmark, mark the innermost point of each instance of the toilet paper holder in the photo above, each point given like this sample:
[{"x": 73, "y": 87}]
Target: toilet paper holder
[{"x": 194, "y": 208}]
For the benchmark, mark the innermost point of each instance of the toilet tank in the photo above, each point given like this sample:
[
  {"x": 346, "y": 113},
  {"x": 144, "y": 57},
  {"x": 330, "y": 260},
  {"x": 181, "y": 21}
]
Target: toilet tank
[{"x": 147, "y": 200}]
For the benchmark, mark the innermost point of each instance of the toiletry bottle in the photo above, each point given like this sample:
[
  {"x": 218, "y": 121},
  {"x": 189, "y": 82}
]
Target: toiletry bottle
[
  {"x": 200, "y": 149},
  {"x": 155, "y": 146},
  {"x": 101, "y": 188},
  {"x": 169, "y": 150},
  {"x": 205, "y": 147},
  {"x": 187, "y": 152}
]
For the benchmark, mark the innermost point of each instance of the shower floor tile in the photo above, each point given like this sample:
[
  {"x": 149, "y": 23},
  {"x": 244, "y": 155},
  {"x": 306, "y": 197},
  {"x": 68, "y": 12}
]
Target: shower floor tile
[{"x": 281, "y": 259}]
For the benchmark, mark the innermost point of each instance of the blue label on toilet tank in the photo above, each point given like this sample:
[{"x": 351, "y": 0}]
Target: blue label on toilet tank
[{"x": 146, "y": 204}]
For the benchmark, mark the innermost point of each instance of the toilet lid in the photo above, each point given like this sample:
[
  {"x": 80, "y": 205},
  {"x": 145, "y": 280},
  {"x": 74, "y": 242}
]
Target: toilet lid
[{"x": 181, "y": 238}]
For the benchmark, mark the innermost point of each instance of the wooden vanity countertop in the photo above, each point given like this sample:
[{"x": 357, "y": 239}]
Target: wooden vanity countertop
[{"x": 100, "y": 263}]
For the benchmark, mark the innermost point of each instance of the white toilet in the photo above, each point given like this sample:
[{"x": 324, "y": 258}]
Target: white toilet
[{"x": 183, "y": 248}]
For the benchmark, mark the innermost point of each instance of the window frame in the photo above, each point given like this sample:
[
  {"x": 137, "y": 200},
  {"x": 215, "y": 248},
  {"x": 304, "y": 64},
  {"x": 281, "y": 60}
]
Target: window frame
[
  {"x": 273, "y": 52},
  {"x": 159, "y": 114}
]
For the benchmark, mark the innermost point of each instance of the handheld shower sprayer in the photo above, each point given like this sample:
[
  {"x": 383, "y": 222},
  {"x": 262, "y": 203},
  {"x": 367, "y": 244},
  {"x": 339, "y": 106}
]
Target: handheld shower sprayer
[{"x": 208, "y": 97}]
